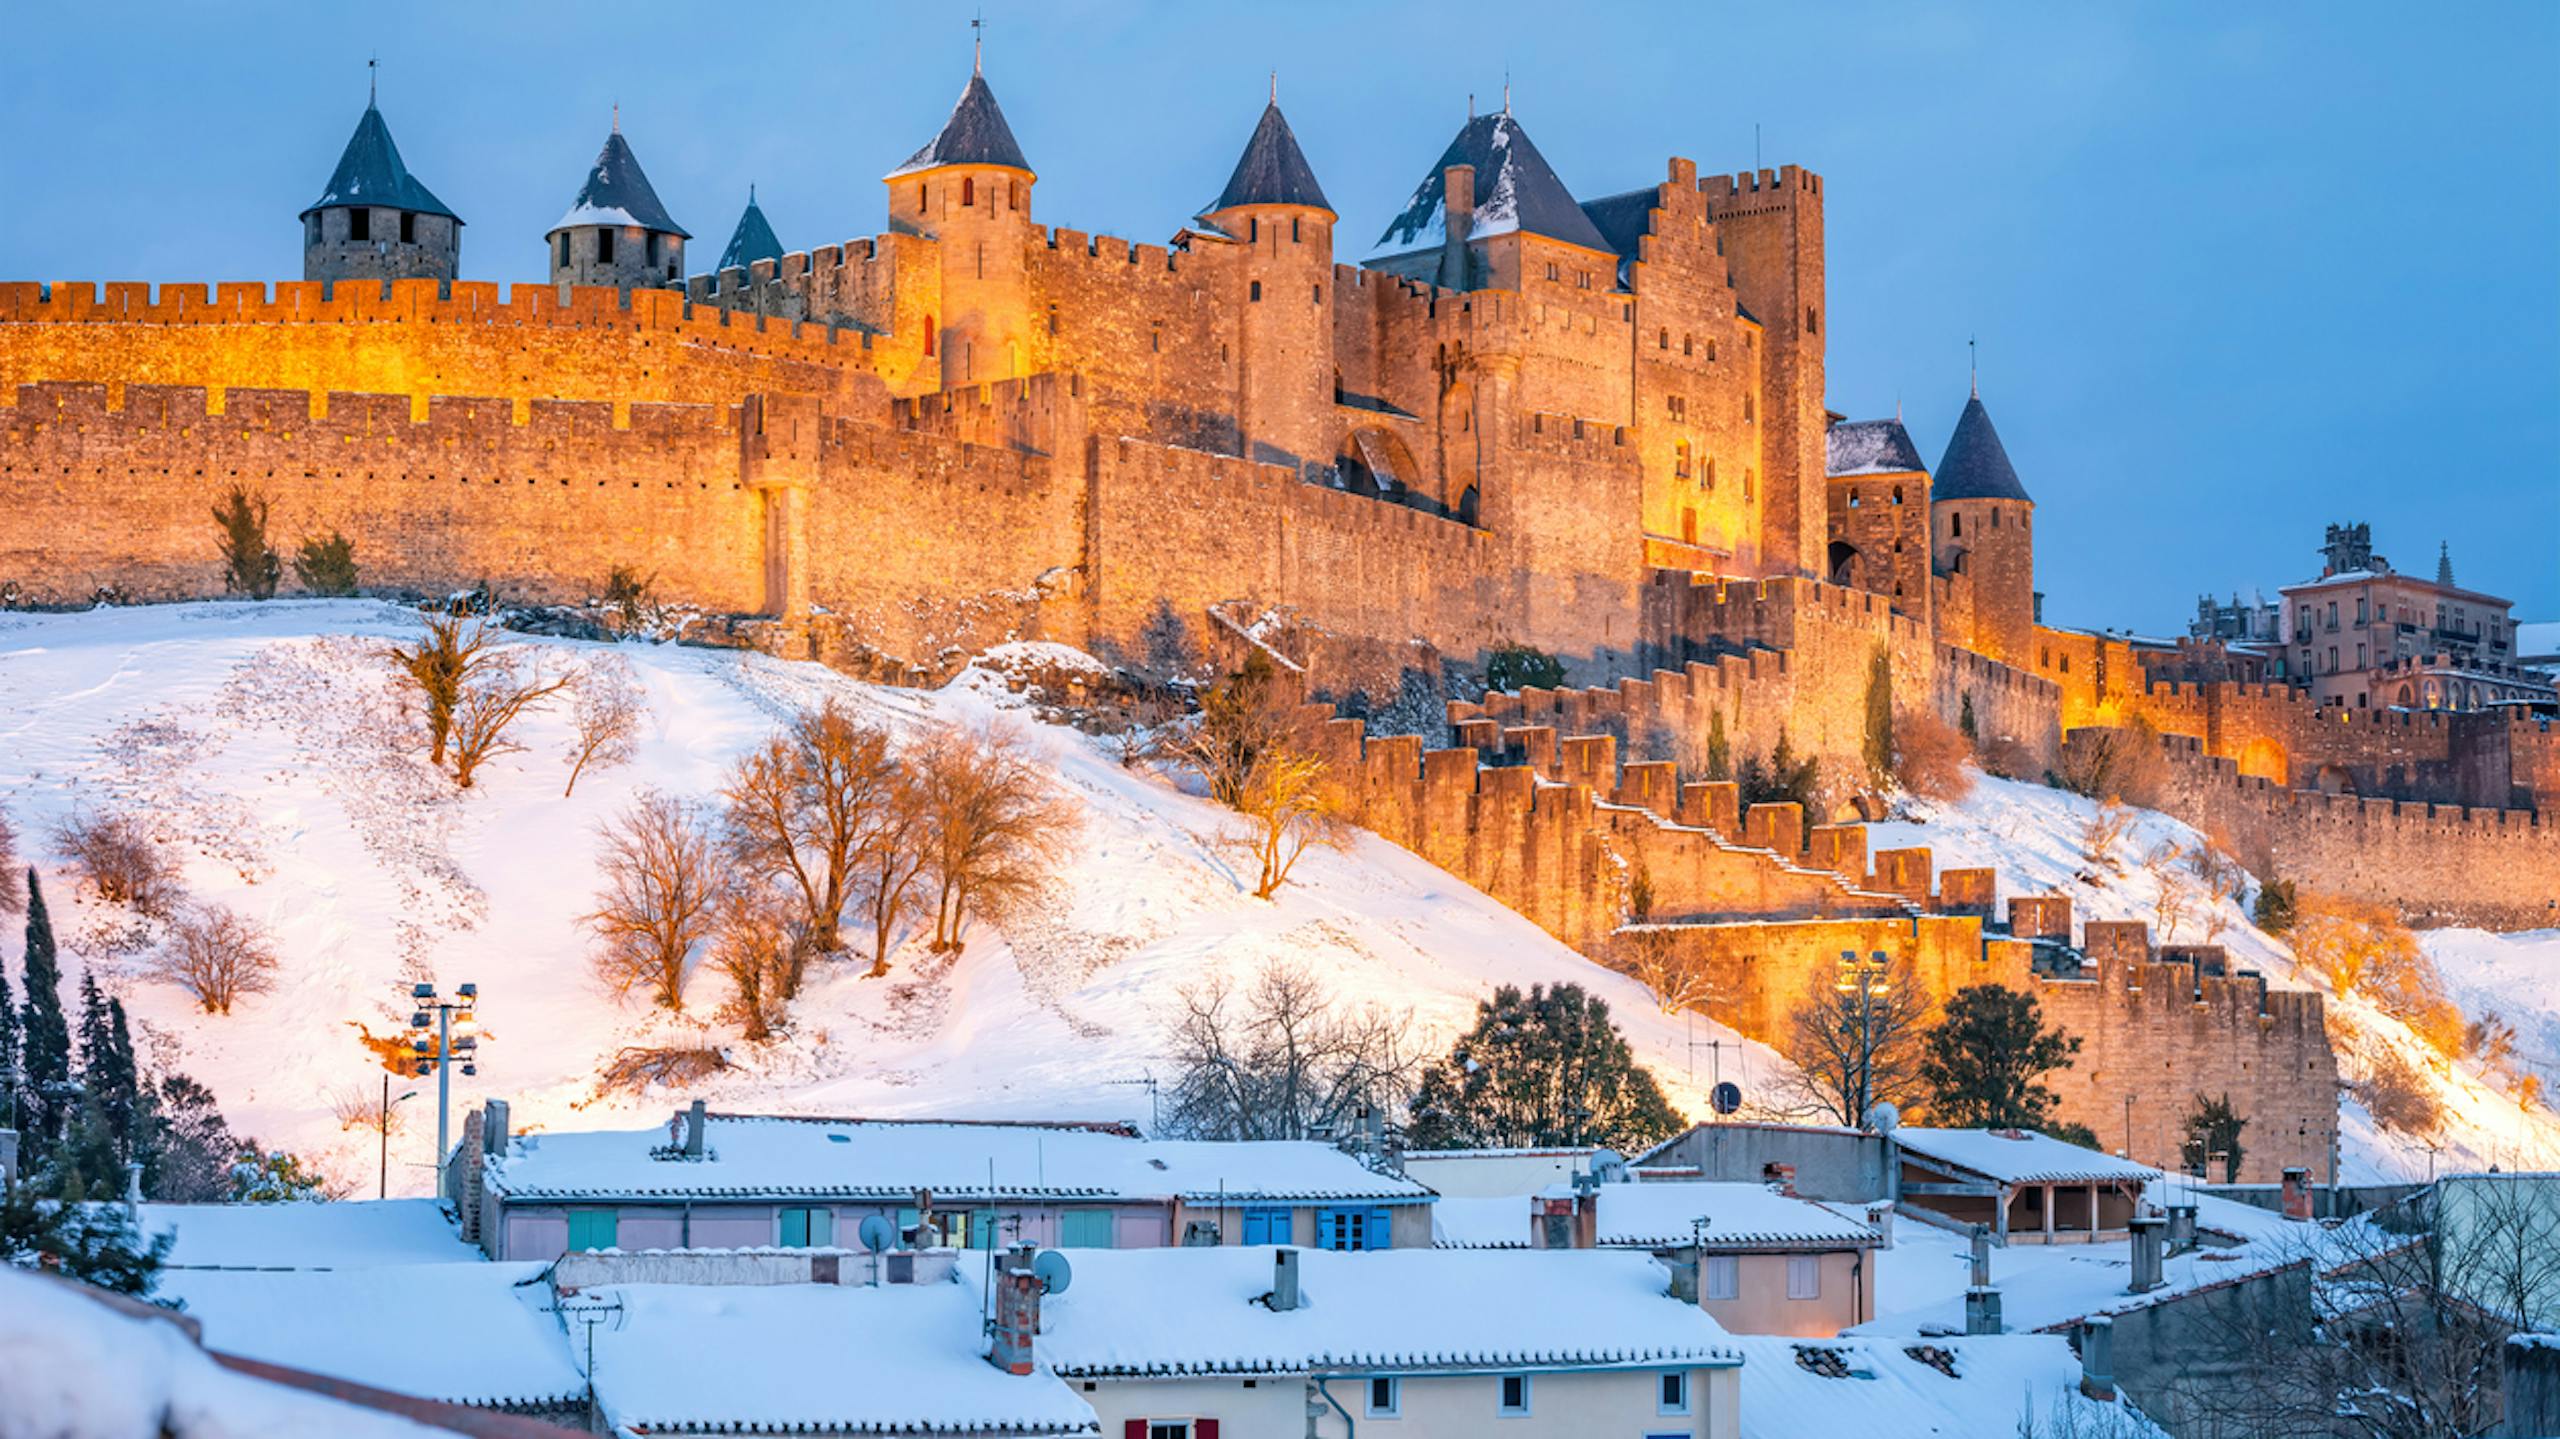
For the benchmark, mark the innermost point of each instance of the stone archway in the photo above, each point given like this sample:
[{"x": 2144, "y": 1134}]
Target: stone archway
[
  {"x": 1844, "y": 564},
  {"x": 2264, "y": 758},
  {"x": 2335, "y": 779}
]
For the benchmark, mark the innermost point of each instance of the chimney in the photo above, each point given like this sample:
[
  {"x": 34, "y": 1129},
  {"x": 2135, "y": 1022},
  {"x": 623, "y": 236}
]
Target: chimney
[
  {"x": 1981, "y": 1301},
  {"x": 2182, "y": 1228},
  {"x": 2297, "y": 1194},
  {"x": 1017, "y": 1312},
  {"x": 1284, "y": 1279},
  {"x": 1458, "y": 218},
  {"x": 1586, "y": 1211},
  {"x": 1781, "y": 1175},
  {"x": 2097, "y": 1357},
  {"x": 493, "y": 1129},
  {"x": 694, "y": 1120},
  {"x": 2146, "y": 1252}
]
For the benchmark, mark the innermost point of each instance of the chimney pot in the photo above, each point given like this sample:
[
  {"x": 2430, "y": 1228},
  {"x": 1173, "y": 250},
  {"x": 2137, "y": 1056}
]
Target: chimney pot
[
  {"x": 1457, "y": 217},
  {"x": 1017, "y": 1312},
  {"x": 2146, "y": 1234},
  {"x": 2297, "y": 1193},
  {"x": 1284, "y": 1279},
  {"x": 2097, "y": 1357},
  {"x": 694, "y": 1119},
  {"x": 493, "y": 1128}
]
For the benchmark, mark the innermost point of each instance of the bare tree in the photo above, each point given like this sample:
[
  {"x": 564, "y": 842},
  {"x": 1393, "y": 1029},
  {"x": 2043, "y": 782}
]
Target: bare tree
[
  {"x": 662, "y": 878},
  {"x": 359, "y": 1106},
  {"x": 1281, "y": 1060},
  {"x": 120, "y": 862},
  {"x": 13, "y": 872},
  {"x": 502, "y": 687},
  {"x": 992, "y": 823},
  {"x": 1255, "y": 748},
  {"x": 2174, "y": 891},
  {"x": 758, "y": 944},
  {"x": 1854, "y": 1039},
  {"x": 2102, "y": 833},
  {"x": 217, "y": 956},
  {"x": 799, "y": 808},
  {"x": 2220, "y": 881},
  {"x": 1655, "y": 957},
  {"x": 608, "y": 708},
  {"x": 893, "y": 862},
  {"x": 451, "y": 645}
]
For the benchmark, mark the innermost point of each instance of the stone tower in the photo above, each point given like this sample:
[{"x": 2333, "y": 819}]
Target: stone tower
[
  {"x": 1275, "y": 220},
  {"x": 753, "y": 240},
  {"x": 616, "y": 232},
  {"x": 1770, "y": 224},
  {"x": 1981, "y": 524},
  {"x": 375, "y": 221},
  {"x": 969, "y": 190}
]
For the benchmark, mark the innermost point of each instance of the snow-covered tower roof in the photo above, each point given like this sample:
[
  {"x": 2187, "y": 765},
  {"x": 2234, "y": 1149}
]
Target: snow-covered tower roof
[
  {"x": 1516, "y": 191},
  {"x": 370, "y": 174},
  {"x": 976, "y": 134},
  {"x": 1870, "y": 447},
  {"x": 617, "y": 192},
  {"x": 1272, "y": 170},
  {"x": 753, "y": 240},
  {"x": 1976, "y": 466}
]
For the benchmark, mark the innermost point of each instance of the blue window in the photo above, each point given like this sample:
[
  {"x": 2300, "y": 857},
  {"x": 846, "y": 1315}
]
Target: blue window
[
  {"x": 593, "y": 1228},
  {"x": 1346, "y": 1228},
  {"x": 1085, "y": 1229},
  {"x": 1514, "y": 1396},
  {"x": 804, "y": 1228},
  {"x": 1383, "y": 1398},
  {"x": 1269, "y": 1226},
  {"x": 1671, "y": 1392}
]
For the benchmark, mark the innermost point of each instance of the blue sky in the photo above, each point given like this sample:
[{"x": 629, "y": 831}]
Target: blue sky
[{"x": 2237, "y": 270}]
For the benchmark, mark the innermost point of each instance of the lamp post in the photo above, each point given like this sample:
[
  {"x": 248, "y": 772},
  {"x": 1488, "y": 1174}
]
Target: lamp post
[
  {"x": 1865, "y": 980},
  {"x": 442, "y": 1052},
  {"x": 382, "y": 1126}
]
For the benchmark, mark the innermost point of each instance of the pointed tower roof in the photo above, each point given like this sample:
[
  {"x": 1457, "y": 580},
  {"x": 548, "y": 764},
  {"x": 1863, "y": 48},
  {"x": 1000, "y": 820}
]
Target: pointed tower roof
[
  {"x": 1272, "y": 170},
  {"x": 753, "y": 240},
  {"x": 1975, "y": 466},
  {"x": 370, "y": 173},
  {"x": 1516, "y": 190},
  {"x": 976, "y": 134},
  {"x": 618, "y": 193}
]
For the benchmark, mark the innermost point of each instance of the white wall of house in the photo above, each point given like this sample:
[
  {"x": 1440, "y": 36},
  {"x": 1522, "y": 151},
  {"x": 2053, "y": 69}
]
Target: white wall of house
[{"x": 1620, "y": 1404}]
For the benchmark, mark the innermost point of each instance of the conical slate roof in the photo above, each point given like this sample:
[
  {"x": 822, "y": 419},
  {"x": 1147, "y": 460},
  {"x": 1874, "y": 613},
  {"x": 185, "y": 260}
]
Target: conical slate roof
[
  {"x": 370, "y": 173},
  {"x": 753, "y": 240},
  {"x": 1516, "y": 190},
  {"x": 618, "y": 193},
  {"x": 976, "y": 134},
  {"x": 1870, "y": 447},
  {"x": 1975, "y": 466},
  {"x": 1272, "y": 170}
]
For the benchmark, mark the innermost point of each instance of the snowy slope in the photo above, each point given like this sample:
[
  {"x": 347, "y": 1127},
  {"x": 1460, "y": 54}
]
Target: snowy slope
[
  {"x": 256, "y": 739},
  {"x": 2032, "y": 836}
]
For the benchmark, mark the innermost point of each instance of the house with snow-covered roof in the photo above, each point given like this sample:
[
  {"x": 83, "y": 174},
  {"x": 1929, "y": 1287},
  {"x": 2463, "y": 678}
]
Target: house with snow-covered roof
[
  {"x": 2026, "y": 1186},
  {"x": 1759, "y": 1260},
  {"x": 748, "y": 1181}
]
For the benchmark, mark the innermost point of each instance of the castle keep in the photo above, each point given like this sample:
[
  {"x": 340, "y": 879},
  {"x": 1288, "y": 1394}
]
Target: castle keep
[{"x": 1596, "y": 427}]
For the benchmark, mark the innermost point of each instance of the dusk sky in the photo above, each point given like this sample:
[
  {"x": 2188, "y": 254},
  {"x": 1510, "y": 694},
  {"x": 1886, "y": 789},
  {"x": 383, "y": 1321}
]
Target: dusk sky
[{"x": 2237, "y": 271}]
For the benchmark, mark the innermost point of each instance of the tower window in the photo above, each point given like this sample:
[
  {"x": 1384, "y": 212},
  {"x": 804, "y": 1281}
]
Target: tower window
[
  {"x": 1897, "y": 494},
  {"x": 359, "y": 224},
  {"x": 1812, "y": 320},
  {"x": 604, "y": 247},
  {"x": 564, "y": 249},
  {"x": 408, "y": 227},
  {"x": 929, "y": 332},
  {"x": 1956, "y": 524},
  {"x": 1257, "y": 292},
  {"x": 1748, "y": 413},
  {"x": 1551, "y": 270},
  {"x": 1053, "y": 319},
  {"x": 968, "y": 192},
  {"x": 1319, "y": 289},
  {"x": 920, "y": 199},
  {"x": 1665, "y": 342},
  {"x": 649, "y": 249},
  {"x": 1293, "y": 229},
  {"x": 1253, "y": 230}
]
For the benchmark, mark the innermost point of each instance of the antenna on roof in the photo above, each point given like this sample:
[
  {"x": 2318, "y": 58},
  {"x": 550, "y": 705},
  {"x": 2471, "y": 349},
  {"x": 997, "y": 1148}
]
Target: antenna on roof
[{"x": 978, "y": 44}]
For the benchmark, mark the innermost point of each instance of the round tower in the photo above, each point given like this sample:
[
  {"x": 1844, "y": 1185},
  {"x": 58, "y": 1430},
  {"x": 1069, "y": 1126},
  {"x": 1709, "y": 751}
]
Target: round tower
[
  {"x": 616, "y": 233},
  {"x": 1982, "y": 526},
  {"x": 1278, "y": 227},
  {"x": 375, "y": 221},
  {"x": 969, "y": 191}
]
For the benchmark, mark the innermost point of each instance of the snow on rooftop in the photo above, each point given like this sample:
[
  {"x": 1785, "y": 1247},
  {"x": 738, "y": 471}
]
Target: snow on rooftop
[
  {"x": 1200, "y": 1311},
  {"x": 1889, "y": 1391},
  {"x": 877, "y": 1159},
  {"x": 2019, "y": 1156},
  {"x": 493, "y": 1337},
  {"x": 1739, "y": 1216},
  {"x": 72, "y": 1368},
  {"x": 352, "y": 1234},
  {"x": 797, "y": 1358},
  {"x": 1921, "y": 1280},
  {"x": 1870, "y": 447},
  {"x": 1498, "y": 1221}
]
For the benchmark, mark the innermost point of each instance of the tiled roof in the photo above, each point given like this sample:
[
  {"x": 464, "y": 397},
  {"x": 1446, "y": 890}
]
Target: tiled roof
[
  {"x": 617, "y": 192},
  {"x": 1976, "y": 466},
  {"x": 2018, "y": 1156},
  {"x": 1515, "y": 190},
  {"x": 753, "y": 240},
  {"x": 370, "y": 173},
  {"x": 1871, "y": 447},
  {"x": 976, "y": 134},
  {"x": 1272, "y": 170}
]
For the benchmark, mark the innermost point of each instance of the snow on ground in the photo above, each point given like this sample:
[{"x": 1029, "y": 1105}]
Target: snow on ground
[
  {"x": 261, "y": 742},
  {"x": 2031, "y": 834}
]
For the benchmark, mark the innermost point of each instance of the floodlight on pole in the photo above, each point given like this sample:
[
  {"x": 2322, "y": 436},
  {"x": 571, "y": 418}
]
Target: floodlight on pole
[{"x": 442, "y": 1052}]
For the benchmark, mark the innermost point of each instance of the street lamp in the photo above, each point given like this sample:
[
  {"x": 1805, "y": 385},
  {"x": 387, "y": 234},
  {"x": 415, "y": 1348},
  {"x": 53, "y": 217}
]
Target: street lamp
[
  {"x": 440, "y": 1053},
  {"x": 1864, "y": 980},
  {"x": 382, "y": 1126}
]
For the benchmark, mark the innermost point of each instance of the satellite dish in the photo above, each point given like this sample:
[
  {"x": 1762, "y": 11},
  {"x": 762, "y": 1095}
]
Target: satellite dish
[
  {"x": 1882, "y": 1117},
  {"x": 1726, "y": 1097},
  {"x": 876, "y": 1233},
  {"x": 1053, "y": 1271}
]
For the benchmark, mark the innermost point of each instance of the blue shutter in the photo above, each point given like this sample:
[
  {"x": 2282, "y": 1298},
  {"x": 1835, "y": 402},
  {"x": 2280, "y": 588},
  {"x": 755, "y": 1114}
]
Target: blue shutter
[
  {"x": 822, "y": 1228},
  {"x": 593, "y": 1228},
  {"x": 1086, "y": 1228},
  {"x": 795, "y": 1229},
  {"x": 982, "y": 1229},
  {"x": 1382, "y": 1234},
  {"x": 1270, "y": 1226}
]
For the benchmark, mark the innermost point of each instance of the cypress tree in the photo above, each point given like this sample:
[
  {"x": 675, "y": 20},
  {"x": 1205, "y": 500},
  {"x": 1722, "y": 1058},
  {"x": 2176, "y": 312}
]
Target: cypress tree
[
  {"x": 8, "y": 1055},
  {"x": 128, "y": 1102},
  {"x": 44, "y": 1035}
]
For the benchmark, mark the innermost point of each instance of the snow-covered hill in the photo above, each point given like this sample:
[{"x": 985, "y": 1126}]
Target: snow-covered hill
[
  {"x": 258, "y": 738},
  {"x": 262, "y": 743}
]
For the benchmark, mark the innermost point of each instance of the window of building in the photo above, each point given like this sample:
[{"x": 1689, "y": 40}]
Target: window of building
[
  {"x": 807, "y": 1228},
  {"x": 1812, "y": 320},
  {"x": 1853, "y": 497},
  {"x": 1709, "y": 478},
  {"x": 408, "y": 227},
  {"x": 1955, "y": 524},
  {"x": 564, "y": 249},
  {"x": 593, "y": 1228},
  {"x": 1665, "y": 342},
  {"x": 1179, "y": 1429},
  {"x": 1897, "y": 494},
  {"x": 1688, "y": 525},
  {"x": 1268, "y": 1225},
  {"x": 2333, "y": 659},
  {"x": 1515, "y": 1396},
  {"x": 2359, "y": 657},
  {"x": 1689, "y": 346},
  {"x": 1382, "y": 1398},
  {"x": 1723, "y": 1276},
  {"x": 1671, "y": 1394},
  {"x": 1582, "y": 279},
  {"x": 359, "y": 224},
  {"x": 1257, "y": 292},
  {"x": 1345, "y": 1228},
  {"x": 1253, "y": 231},
  {"x": 920, "y": 199},
  {"x": 1293, "y": 229},
  {"x": 1053, "y": 319},
  {"x": 1995, "y": 517},
  {"x": 968, "y": 192},
  {"x": 1711, "y": 349},
  {"x": 1680, "y": 461},
  {"x": 649, "y": 254},
  {"x": 929, "y": 333},
  {"x": 1155, "y": 339},
  {"x": 2359, "y": 609},
  {"x": 1551, "y": 269},
  {"x": 1086, "y": 1229},
  {"x": 1747, "y": 410},
  {"x": 604, "y": 247},
  {"x": 1804, "y": 1276}
]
